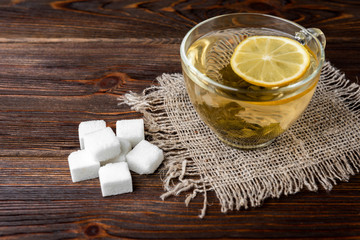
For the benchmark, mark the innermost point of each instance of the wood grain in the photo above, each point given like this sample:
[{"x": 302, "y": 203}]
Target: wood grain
[{"x": 63, "y": 62}]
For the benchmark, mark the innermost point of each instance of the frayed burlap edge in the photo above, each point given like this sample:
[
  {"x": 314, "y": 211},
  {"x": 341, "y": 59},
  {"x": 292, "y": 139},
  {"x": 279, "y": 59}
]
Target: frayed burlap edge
[
  {"x": 181, "y": 173},
  {"x": 178, "y": 164}
]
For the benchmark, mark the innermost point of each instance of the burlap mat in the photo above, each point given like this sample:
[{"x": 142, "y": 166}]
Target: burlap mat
[{"x": 322, "y": 147}]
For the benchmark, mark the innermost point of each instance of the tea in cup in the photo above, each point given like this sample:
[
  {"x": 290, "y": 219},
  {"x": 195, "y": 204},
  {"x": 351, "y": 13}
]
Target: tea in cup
[{"x": 251, "y": 76}]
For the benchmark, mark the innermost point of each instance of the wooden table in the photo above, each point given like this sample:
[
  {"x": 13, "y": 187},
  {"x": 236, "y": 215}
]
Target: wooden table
[{"x": 67, "y": 61}]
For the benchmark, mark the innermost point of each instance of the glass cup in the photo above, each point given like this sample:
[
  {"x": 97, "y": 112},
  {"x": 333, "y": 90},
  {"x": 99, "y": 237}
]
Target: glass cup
[{"x": 245, "y": 116}]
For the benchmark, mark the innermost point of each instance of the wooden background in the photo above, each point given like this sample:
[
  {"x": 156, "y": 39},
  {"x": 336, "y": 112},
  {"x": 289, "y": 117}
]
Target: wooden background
[{"x": 63, "y": 62}]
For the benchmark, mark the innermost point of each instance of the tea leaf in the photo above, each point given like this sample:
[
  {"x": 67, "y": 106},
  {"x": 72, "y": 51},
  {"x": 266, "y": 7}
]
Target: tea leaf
[{"x": 227, "y": 121}]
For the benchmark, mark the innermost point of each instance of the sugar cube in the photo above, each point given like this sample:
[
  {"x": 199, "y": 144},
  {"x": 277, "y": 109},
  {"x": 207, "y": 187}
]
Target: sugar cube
[
  {"x": 82, "y": 166},
  {"x": 103, "y": 144},
  {"x": 115, "y": 178},
  {"x": 89, "y": 127},
  {"x": 144, "y": 158},
  {"x": 125, "y": 147},
  {"x": 131, "y": 130}
]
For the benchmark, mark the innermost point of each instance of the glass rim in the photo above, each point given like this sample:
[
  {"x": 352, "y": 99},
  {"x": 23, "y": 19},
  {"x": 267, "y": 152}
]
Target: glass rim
[{"x": 289, "y": 87}]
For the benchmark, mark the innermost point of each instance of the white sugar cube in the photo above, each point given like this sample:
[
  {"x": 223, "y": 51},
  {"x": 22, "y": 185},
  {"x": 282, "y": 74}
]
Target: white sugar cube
[
  {"x": 115, "y": 178},
  {"x": 103, "y": 144},
  {"x": 125, "y": 147},
  {"x": 144, "y": 158},
  {"x": 83, "y": 166},
  {"x": 131, "y": 130},
  {"x": 89, "y": 127}
]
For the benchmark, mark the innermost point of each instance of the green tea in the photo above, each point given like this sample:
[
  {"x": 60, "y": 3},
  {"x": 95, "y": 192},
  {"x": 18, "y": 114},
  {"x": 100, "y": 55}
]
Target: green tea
[{"x": 242, "y": 114}]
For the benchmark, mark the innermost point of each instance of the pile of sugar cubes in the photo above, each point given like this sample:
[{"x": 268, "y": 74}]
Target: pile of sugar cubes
[{"x": 111, "y": 157}]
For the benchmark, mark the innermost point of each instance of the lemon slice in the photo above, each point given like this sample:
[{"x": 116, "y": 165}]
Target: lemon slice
[{"x": 270, "y": 61}]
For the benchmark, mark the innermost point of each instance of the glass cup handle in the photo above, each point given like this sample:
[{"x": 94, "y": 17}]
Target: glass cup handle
[
  {"x": 316, "y": 32},
  {"x": 319, "y": 34}
]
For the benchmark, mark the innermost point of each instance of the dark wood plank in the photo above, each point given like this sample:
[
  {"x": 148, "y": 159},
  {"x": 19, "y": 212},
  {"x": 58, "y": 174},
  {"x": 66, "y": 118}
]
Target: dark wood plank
[
  {"x": 66, "y": 61},
  {"x": 170, "y": 20}
]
